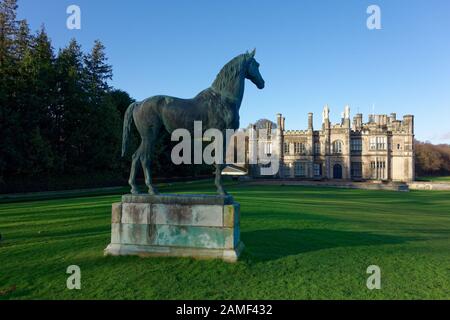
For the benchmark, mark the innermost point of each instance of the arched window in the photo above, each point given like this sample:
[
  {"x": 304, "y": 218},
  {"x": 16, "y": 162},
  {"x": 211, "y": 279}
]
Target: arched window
[{"x": 337, "y": 146}]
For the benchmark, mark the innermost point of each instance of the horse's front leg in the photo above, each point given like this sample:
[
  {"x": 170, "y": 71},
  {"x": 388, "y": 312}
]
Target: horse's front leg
[{"x": 218, "y": 180}]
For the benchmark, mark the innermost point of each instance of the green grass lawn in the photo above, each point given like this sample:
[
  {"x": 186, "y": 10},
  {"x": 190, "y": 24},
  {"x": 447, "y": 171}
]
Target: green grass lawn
[
  {"x": 301, "y": 243},
  {"x": 435, "y": 179}
]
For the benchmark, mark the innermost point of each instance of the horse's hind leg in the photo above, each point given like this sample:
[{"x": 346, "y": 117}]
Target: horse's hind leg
[
  {"x": 146, "y": 160},
  {"x": 134, "y": 167},
  {"x": 219, "y": 167}
]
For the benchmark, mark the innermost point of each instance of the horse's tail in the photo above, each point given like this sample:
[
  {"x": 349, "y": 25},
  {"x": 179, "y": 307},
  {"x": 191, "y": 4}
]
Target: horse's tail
[{"x": 127, "y": 121}]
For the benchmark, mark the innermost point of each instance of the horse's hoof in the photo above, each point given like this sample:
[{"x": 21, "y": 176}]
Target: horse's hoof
[
  {"x": 134, "y": 191},
  {"x": 153, "y": 192}
]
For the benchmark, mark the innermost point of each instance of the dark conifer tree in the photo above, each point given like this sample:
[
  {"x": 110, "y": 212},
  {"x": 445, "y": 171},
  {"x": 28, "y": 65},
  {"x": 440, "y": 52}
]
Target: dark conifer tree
[
  {"x": 72, "y": 105},
  {"x": 98, "y": 72},
  {"x": 104, "y": 123},
  {"x": 36, "y": 101},
  {"x": 9, "y": 117}
]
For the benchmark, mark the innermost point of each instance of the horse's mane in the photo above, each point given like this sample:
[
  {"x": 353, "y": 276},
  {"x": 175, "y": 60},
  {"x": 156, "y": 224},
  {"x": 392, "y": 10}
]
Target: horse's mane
[{"x": 228, "y": 74}]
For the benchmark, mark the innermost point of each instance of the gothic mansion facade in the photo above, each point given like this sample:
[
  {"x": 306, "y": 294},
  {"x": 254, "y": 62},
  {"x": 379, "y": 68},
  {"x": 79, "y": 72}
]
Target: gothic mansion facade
[{"x": 381, "y": 149}]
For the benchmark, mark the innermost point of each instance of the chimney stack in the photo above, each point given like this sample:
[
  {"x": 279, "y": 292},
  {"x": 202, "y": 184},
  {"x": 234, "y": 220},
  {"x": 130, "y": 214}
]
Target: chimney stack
[
  {"x": 310, "y": 121},
  {"x": 393, "y": 117},
  {"x": 279, "y": 120},
  {"x": 357, "y": 121}
]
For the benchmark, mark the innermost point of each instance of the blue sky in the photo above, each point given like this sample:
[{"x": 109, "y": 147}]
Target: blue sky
[{"x": 311, "y": 53}]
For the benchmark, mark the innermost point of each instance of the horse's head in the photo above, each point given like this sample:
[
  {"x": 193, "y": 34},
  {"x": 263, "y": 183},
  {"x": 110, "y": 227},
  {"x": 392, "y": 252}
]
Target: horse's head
[{"x": 252, "y": 72}]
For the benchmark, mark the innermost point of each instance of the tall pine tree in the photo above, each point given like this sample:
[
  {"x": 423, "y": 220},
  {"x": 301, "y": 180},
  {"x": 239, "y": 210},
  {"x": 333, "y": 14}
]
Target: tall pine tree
[
  {"x": 36, "y": 84},
  {"x": 72, "y": 105},
  {"x": 9, "y": 116},
  {"x": 98, "y": 72},
  {"x": 104, "y": 123}
]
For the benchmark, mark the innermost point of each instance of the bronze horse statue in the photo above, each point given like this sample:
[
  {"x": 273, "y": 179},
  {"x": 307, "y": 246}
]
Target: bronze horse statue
[{"x": 217, "y": 107}]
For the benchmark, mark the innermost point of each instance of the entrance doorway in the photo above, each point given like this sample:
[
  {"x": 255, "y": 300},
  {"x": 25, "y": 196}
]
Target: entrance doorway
[{"x": 337, "y": 171}]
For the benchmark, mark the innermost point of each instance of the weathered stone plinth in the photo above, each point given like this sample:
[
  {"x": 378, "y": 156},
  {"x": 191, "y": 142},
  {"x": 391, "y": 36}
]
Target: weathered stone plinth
[{"x": 199, "y": 226}]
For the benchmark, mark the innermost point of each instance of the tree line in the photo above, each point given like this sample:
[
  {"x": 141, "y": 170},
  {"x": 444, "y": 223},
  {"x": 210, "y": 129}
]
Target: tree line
[
  {"x": 60, "y": 120},
  {"x": 433, "y": 160}
]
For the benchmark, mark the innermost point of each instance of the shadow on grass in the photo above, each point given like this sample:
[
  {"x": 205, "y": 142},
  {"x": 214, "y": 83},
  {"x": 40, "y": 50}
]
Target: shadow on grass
[{"x": 265, "y": 245}]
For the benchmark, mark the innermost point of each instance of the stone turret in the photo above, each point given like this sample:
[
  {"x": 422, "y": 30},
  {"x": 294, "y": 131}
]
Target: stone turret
[
  {"x": 408, "y": 123},
  {"x": 326, "y": 117}
]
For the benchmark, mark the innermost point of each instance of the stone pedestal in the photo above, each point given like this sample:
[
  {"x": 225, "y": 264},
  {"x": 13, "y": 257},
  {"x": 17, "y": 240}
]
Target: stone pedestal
[{"x": 199, "y": 226}]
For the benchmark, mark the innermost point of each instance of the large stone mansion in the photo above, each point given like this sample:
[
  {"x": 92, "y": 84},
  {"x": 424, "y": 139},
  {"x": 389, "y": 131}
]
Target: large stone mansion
[{"x": 380, "y": 149}]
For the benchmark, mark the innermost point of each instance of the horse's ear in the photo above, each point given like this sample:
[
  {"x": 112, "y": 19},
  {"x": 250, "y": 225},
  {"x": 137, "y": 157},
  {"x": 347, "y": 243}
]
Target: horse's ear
[{"x": 252, "y": 54}]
